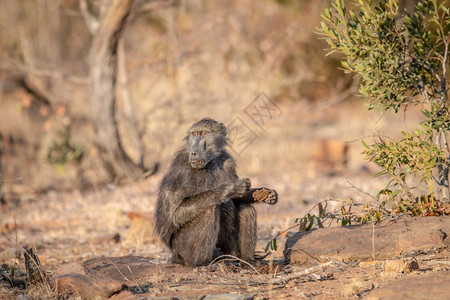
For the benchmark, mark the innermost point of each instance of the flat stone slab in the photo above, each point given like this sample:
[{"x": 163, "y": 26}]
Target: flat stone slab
[
  {"x": 428, "y": 286},
  {"x": 130, "y": 270},
  {"x": 75, "y": 278},
  {"x": 103, "y": 277},
  {"x": 387, "y": 239}
]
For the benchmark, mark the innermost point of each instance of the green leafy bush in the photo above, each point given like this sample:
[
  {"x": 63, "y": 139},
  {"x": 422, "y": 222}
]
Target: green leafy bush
[{"x": 401, "y": 59}]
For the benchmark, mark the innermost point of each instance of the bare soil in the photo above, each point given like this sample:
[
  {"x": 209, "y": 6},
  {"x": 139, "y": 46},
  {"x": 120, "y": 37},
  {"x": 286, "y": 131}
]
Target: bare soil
[{"x": 100, "y": 229}]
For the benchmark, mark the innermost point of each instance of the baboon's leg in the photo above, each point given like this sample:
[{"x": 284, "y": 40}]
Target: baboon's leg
[
  {"x": 196, "y": 243},
  {"x": 176, "y": 258},
  {"x": 228, "y": 233},
  {"x": 247, "y": 231}
]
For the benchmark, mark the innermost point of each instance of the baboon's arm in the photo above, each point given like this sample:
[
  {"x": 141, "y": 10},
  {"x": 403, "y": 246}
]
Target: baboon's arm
[
  {"x": 248, "y": 198},
  {"x": 189, "y": 208}
]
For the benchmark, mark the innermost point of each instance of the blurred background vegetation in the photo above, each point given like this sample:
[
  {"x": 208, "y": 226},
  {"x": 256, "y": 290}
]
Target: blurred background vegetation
[{"x": 178, "y": 61}]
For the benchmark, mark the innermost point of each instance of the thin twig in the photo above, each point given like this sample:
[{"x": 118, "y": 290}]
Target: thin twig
[
  {"x": 15, "y": 233},
  {"x": 373, "y": 241},
  {"x": 316, "y": 205},
  {"x": 14, "y": 66},
  {"x": 302, "y": 273},
  {"x": 360, "y": 190},
  {"x": 91, "y": 21},
  {"x": 231, "y": 257},
  {"x": 113, "y": 264},
  {"x": 134, "y": 277}
]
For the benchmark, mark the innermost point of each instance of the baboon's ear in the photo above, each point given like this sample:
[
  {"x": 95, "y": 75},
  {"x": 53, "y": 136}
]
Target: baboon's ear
[{"x": 223, "y": 128}]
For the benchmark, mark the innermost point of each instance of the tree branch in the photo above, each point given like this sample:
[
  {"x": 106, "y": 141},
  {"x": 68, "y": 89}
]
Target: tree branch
[{"x": 91, "y": 21}]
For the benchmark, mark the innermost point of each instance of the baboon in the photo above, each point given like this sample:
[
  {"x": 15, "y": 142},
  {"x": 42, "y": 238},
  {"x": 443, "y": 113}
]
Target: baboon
[{"x": 204, "y": 209}]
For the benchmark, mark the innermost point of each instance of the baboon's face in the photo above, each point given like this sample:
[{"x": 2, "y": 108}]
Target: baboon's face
[
  {"x": 204, "y": 142},
  {"x": 199, "y": 156}
]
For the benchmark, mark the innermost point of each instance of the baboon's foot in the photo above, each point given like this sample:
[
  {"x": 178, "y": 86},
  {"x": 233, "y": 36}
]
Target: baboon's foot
[
  {"x": 265, "y": 195},
  {"x": 272, "y": 198}
]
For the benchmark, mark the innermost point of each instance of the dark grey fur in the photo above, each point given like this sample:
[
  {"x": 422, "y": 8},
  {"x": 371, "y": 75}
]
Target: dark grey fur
[{"x": 203, "y": 208}]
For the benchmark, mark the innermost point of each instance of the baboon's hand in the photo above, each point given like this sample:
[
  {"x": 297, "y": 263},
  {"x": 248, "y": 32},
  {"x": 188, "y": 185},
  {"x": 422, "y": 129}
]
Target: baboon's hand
[{"x": 240, "y": 188}]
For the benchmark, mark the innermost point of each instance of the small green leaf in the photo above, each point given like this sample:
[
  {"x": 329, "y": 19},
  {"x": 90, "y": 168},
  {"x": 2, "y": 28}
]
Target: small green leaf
[
  {"x": 378, "y": 216},
  {"x": 267, "y": 246},
  {"x": 311, "y": 222},
  {"x": 321, "y": 210},
  {"x": 365, "y": 144}
]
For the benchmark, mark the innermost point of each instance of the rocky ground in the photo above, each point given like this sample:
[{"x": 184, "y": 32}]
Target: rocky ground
[{"x": 101, "y": 243}]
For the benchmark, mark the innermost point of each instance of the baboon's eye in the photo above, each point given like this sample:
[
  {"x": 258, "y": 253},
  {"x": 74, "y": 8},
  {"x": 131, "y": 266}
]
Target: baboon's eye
[
  {"x": 194, "y": 133},
  {"x": 204, "y": 133}
]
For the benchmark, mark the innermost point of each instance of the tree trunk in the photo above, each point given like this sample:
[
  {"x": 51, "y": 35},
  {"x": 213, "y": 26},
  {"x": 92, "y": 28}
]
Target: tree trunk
[{"x": 103, "y": 69}]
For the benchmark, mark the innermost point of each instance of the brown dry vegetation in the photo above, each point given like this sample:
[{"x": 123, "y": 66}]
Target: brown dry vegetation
[{"x": 184, "y": 60}]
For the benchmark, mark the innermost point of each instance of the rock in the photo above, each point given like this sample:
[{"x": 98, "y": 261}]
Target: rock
[
  {"x": 394, "y": 266},
  {"x": 354, "y": 243},
  {"x": 126, "y": 295},
  {"x": 6, "y": 228},
  {"x": 330, "y": 156},
  {"x": 400, "y": 266},
  {"x": 9, "y": 227},
  {"x": 83, "y": 281},
  {"x": 108, "y": 238},
  {"x": 183, "y": 297},
  {"x": 136, "y": 269},
  {"x": 412, "y": 266},
  {"x": 140, "y": 215},
  {"x": 428, "y": 286},
  {"x": 22, "y": 297},
  {"x": 229, "y": 296},
  {"x": 103, "y": 277},
  {"x": 141, "y": 230}
]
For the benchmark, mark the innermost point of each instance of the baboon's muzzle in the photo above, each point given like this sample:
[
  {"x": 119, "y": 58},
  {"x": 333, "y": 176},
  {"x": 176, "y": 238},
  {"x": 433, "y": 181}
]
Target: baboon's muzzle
[{"x": 197, "y": 153}]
